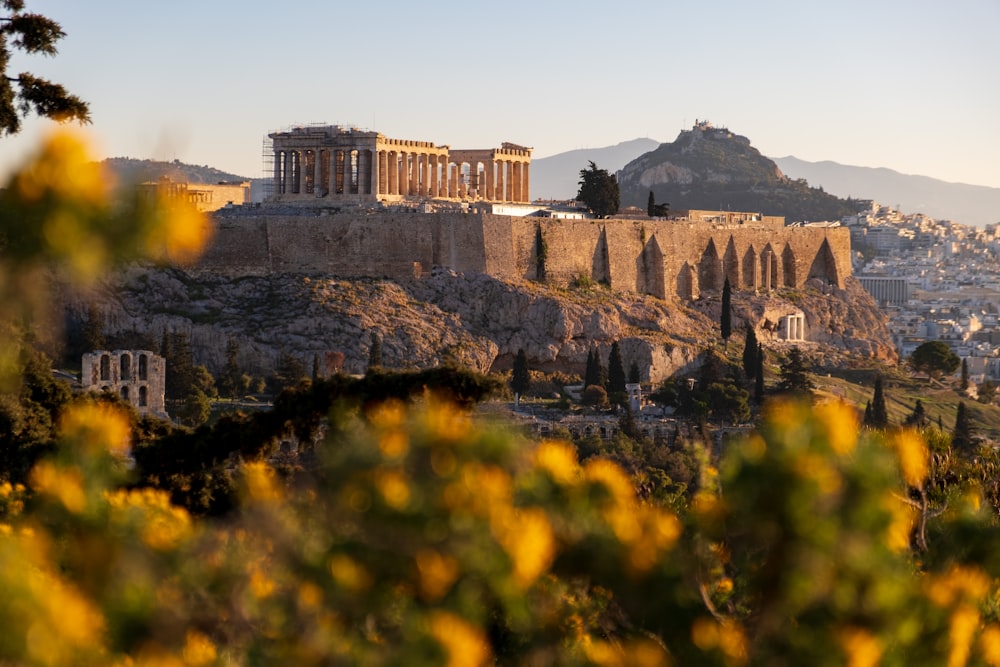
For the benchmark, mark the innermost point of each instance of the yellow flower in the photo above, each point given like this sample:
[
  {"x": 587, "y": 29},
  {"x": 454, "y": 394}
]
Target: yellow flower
[
  {"x": 388, "y": 415},
  {"x": 260, "y": 482},
  {"x": 818, "y": 468},
  {"x": 96, "y": 427},
  {"x": 726, "y": 636},
  {"x": 348, "y": 573},
  {"x": 964, "y": 622},
  {"x": 960, "y": 582},
  {"x": 903, "y": 518},
  {"x": 558, "y": 459},
  {"x": 861, "y": 647},
  {"x": 841, "y": 424},
  {"x": 612, "y": 477},
  {"x": 198, "y": 649},
  {"x": 913, "y": 457},
  {"x": 64, "y": 168},
  {"x": 393, "y": 487},
  {"x": 437, "y": 573},
  {"x": 526, "y": 535},
  {"x": 464, "y": 643},
  {"x": 63, "y": 484},
  {"x": 989, "y": 642}
]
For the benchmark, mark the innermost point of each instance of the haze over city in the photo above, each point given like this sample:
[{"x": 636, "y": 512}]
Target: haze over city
[{"x": 904, "y": 85}]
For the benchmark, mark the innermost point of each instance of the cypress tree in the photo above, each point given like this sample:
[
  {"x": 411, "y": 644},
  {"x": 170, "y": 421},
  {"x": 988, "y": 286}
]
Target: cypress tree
[
  {"x": 591, "y": 375},
  {"x": 616, "y": 371},
  {"x": 880, "y": 416},
  {"x": 868, "y": 414},
  {"x": 750, "y": 353},
  {"x": 651, "y": 205},
  {"x": 375, "y": 352},
  {"x": 918, "y": 417},
  {"x": 520, "y": 379},
  {"x": 634, "y": 377},
  {"x": 961, "y": 437},
  {"x": 726, "y": 320},
  {"x": 758, "y": 387},
  {"x": 965, "y": 374}
]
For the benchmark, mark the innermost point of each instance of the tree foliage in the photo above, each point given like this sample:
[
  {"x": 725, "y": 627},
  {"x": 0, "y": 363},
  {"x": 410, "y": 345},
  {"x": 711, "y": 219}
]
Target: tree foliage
[
  {"x": 520, "y": 380},
  {"x": 934, "y": 358},
  {"x": 726, "y": 317},
  {"x": 878, "y": 415},
  {"x": 750, "y": 352},
  {"x": 616, "y": 372},
  {"x": 598, "y": 191},
  {"x": 23, "y": 93},
  {"x": 794, "y": 372}
]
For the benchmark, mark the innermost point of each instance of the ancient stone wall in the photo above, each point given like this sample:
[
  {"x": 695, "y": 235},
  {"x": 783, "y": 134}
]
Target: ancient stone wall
[
  {"x": 658, "y": 257},
  {"x": 138, "y": 376}
]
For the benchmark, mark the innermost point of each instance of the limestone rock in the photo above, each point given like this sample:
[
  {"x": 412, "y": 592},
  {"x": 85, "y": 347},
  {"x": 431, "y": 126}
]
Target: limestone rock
[{"x": 474, "y": 319}]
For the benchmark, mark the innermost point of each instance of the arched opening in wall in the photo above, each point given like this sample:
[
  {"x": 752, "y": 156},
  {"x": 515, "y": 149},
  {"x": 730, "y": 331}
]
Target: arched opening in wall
[
  {"x": 352, "y": 159},
  {"x": 651, "y": 269},
  {"x": 323, "y": 183},
  {"x": 687, "y": 282},
  {"x": 710, "y": 268},
  {"x": 338, "y": 170},
  {"x": 125, "y": 367},
  {"x": 601, "y": 262},
  {"x": 364, "y": 172},
  {"x": 751, "y": 270},
  {"x": 824, "y": 266},
  {"x": 296, "y": 172},
  {"x": 143, "y": 396},
  {"x": 143, "y": 367},
  {"x": 125, "y": 393},
  {"x": 769, "y": 267},
  {"x": 105, "y": 367},
  {"x": 310, "y": 172},
  {"x": 731, "y": 264},
  {"x": 789, "y": 267}
]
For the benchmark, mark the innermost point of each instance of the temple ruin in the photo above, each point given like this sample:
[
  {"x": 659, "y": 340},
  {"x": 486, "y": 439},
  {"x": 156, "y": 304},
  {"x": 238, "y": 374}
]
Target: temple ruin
[{"x": 334, "y": 163}]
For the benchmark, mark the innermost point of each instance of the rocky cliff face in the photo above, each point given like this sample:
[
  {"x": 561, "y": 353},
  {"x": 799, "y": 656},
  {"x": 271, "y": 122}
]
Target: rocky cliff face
[{"x": 474, "y": 319}]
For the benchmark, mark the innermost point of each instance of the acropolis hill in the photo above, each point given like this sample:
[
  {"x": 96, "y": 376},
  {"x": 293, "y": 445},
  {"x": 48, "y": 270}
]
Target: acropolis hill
[
  {"x": 350, "y": 202},
  {"x": 440, "y": 254}
]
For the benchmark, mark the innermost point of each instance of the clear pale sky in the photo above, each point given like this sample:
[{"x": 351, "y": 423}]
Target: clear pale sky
[{"x": 912, "y": 85}]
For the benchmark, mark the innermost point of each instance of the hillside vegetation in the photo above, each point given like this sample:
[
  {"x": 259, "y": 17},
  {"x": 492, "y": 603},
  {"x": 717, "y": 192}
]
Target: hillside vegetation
[{"x": 132, "y": 170}]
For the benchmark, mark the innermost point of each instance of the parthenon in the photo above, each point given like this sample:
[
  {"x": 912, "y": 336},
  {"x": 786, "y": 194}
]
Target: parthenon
[{"x": 333, "y": 162}]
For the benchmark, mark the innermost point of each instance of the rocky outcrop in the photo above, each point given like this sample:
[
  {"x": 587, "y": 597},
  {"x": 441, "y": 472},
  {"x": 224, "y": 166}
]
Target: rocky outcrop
[
  {"x": 474, "y": 319},
  {"x": 712, "y": 168}
]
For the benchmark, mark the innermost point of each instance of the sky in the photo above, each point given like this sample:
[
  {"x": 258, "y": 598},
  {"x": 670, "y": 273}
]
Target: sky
[{"x": 911, "y": 85}]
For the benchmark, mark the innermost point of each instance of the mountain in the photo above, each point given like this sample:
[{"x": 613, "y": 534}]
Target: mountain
[
  {"x": 712, "y": 168},
  {"x": 968, "y": 204},
  {"x": 558, "y": 176}
]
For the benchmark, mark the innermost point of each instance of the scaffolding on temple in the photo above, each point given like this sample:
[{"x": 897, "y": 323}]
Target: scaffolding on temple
[{"x": 267, "y": 160}]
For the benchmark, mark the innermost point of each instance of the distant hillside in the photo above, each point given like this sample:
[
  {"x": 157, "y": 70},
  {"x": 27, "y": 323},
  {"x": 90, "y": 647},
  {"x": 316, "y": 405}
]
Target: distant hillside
[
  {"x": 557, "y": 176},
  {"x": 968, "y": 204},
  {"x": 712, "y": 168},
  {"x": 137, "y": 171}
]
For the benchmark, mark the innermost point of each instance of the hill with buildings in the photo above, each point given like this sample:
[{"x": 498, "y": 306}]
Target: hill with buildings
[{"x": 708, "y": 167}]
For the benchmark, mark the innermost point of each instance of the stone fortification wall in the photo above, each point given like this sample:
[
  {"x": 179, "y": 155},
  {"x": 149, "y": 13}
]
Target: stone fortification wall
[{"x": 658, "y": 257}]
